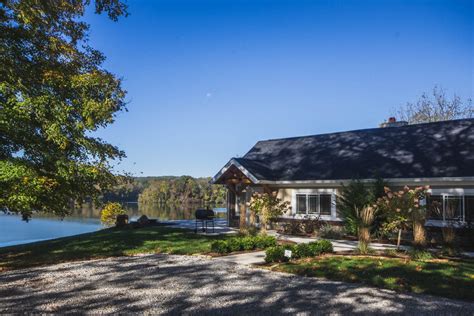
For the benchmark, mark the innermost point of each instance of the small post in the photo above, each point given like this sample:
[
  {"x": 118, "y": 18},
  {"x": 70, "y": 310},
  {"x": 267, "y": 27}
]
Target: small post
[{"x": 399, "y": 237}]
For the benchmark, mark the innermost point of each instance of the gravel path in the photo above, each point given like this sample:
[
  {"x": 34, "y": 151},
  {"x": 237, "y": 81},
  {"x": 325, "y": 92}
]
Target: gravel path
[{"x": 196, "y": 285}]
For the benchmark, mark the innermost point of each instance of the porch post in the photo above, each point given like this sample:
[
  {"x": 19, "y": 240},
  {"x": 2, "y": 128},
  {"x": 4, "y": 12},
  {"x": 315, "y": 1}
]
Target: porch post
[
  {"x": 243, "y": 212},
  {"x": 231, "y": 198}
]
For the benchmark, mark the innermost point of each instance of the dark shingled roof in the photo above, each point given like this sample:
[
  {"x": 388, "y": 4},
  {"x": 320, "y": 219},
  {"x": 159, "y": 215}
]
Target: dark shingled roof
[{"x": 440, "y": 149}]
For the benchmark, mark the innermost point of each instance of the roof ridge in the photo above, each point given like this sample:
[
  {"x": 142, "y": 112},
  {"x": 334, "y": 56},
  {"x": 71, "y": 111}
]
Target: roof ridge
[{"x": 364, "y": 130}]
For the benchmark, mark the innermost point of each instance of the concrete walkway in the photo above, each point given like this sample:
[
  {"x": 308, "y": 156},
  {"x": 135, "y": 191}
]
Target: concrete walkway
[
  {"x": 247, "y": 259},
  {"x": 339, "y": 245}
]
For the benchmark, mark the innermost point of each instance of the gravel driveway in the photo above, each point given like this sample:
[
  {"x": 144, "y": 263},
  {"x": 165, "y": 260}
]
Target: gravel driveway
[{"x": 196, "y": 285}]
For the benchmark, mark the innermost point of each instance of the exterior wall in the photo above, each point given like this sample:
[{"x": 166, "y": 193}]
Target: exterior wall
[{"x": 288, "y": 193}]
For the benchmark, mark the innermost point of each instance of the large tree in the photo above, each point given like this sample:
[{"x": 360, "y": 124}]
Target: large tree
[
  {"x": 54, "y": 93},
  {"x": 434, "y": 107}
]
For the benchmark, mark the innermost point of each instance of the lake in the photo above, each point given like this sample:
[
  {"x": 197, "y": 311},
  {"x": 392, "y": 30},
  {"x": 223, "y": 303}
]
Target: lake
[{"x": 14, "y": 231}]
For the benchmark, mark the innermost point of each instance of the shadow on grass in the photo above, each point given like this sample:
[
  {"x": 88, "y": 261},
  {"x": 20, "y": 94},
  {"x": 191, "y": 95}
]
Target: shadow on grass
[
  {"x": 452, "y": 279},
  {"x": 105, "y": 243}
]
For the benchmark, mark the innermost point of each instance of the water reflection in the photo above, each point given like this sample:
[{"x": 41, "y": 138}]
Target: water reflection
[
  {"x": 84, "y": 219},
  {"x": 158, "y": 211}
]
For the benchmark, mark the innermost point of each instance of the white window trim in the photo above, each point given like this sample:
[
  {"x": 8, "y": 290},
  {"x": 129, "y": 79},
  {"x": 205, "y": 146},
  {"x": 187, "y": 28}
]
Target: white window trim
[
  {"x": 332, "y": 192},
  {"x": 459, "y": 192}
]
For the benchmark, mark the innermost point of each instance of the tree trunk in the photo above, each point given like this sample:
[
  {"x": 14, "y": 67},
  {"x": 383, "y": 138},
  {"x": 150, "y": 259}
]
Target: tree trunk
[{"x": 419, "y": 234}]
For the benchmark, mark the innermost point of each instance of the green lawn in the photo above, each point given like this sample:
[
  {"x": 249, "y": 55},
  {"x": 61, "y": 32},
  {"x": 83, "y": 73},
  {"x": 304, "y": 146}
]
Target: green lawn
[
  {"x": 453, "y": 279},
  {"x": 105, "y": 243}
]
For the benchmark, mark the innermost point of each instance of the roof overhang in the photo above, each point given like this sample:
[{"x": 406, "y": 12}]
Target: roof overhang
[{"x": 234, "y": 163}]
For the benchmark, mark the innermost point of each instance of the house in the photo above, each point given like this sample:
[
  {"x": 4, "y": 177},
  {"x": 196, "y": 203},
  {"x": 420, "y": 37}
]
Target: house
[{"x": 309, "y": 171}]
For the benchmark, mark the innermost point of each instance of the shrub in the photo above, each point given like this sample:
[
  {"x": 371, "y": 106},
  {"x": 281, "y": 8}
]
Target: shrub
[
  {"x": 391, "y": 252},
  {"x": 275, "y": 254},
  {"x": 235, "y": 244},
  {"x": 248, "y": 243},
  {"x": 109, "y": 213},
  {"x": 315, "y": 248},
  {"x": 264, "y": 241},
  {"x": 302, "y": 251},
  {"x": 364, "y": 249},
  {"x": 449, "y": 251},
  {"x": 243, "y": 243},
  {"x": 220, "y": 246},
  {"x": 268, "y": 207},
  {"x": 326, "y": 246},
  {"x": 417, "y": 254}
]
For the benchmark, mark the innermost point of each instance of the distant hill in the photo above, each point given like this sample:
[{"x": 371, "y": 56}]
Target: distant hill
[{"x": 167, "y": 189}]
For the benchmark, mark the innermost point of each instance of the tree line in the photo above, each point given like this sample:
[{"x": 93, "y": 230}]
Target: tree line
[{"x": 166, "y": 190}]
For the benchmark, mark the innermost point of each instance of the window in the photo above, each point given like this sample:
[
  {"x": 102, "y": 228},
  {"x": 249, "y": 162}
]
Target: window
[
  {"x": 313, "y": 204},
  {"x": 301, "y": 204},
  {"x": 325, "y": 204},
  {"x": 313, "y": 201},
  {"x": 453, "y": 208},
  {"x": 469, "y": 208},
  {"x": 450, "y": 207},
  {"x": 434, "y": 205}
]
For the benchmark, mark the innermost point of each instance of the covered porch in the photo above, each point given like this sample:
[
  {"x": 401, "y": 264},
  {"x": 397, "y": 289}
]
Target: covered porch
[{"x": 240, "y": 185}]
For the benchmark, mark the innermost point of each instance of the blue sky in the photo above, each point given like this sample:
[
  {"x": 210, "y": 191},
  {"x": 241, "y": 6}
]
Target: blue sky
[{"x": 208, "y": 79}]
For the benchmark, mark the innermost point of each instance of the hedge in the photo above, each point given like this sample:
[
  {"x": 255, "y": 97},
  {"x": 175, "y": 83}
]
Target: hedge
[
  {"x": 243, "y": 243},
  {"x": 315, "y": 248}
]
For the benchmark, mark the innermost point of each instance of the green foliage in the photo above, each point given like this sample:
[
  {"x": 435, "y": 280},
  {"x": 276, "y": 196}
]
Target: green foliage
[
  {"x": 268, "y": 207},
  {"x": 394, "y": 252},
  {"x": 325, "y": 245},
  {"x": 109, "y": 213},
  {"x": 354, "y": 197},
  {"x": 303, "y": 250},
  {"x": 220, "y": 246},
  {"x": 420, "y": 255},
  {"x": 275, "y": 254},
  {"x": 359, "y": 208},
  {"x": 364, "y": 249},
  {"x": 449, "y": 278},
  {"x": 243, "y": 243},
  {"x": 263, "y": 241},
  {"x": 450, "y": 251},
  {"x": 235, "y": 244},
  {"x": 54, "y": 93},
  {"x": 249, "y": 243},
  {"x": 106, "y": 243},
  {"x": 403, "y": 208},
  {"x": 183, "y": 189}
]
